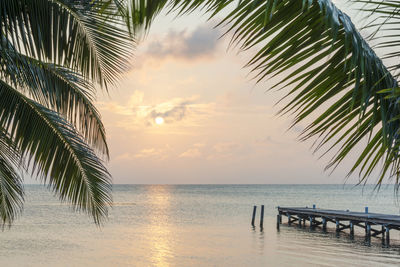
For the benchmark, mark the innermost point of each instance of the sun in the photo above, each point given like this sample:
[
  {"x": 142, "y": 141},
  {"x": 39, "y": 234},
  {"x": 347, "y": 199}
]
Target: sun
[{"x": 159, "y": 120}]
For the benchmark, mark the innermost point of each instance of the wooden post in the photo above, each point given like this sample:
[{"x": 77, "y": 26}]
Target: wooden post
[
  {"x": 368, "y": 230},
  {"x": 387, "y": 236},
  {"x": 324, "y": 224},
  {"x": 383, "y": 235},
  {"x": 277, "y": 221},
  {"x": 351, "y": 228},
  {"x": 337, "y": 225},
  {"x": 254, "y": 215},
  {"x": 289, "y": 220},
  {"x": 262, "y": 216},
  {"x": 311, "y": 221}
]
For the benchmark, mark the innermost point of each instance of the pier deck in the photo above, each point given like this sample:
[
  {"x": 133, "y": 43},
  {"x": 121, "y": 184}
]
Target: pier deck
[{"x": 343, "y": 219}]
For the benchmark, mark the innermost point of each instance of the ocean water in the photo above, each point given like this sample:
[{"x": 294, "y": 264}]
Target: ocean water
[{"x": 196, "y": 225}]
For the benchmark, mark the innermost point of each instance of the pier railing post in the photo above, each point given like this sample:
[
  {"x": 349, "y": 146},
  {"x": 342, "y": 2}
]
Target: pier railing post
[
  {"x": 262, "y": 217},
  {"x": 254, "y": 215}
]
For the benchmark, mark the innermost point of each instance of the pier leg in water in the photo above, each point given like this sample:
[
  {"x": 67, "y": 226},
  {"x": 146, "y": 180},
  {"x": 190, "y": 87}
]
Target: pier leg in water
[
  {"x": 278, "y": 221},
  {"x": 351, "y": 229},
  {"x": 311, "y": 222},
  {"x": 368, "y": 235},
  {"x": 289, "y": 220},
  {"x": 337, "y": 226},
  {"x": 262, "y": 217},
  {"x": 254, "y": 215},
  {"x": 383, "y": 235},
  {"x": 323, "y": 224},
  {"x": 387, "y": 236}
]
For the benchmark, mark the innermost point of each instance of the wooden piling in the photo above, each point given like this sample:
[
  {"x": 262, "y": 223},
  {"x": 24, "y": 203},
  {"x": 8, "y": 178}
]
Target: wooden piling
[
  {"x": 368, "y": 228},
  {"x": 387, "y": 236},
  {"x": 323, "y": 224},
  {"x": 262, "y": 217},
  {"x": 351, "y": 228},
  {"x": 278, "y": 221},
  {"x": 337, "y": 226},
  {"x": 254, "y": 215}
]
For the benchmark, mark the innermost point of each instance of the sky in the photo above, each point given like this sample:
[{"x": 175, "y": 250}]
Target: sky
[{"x": 215, "y": 125}]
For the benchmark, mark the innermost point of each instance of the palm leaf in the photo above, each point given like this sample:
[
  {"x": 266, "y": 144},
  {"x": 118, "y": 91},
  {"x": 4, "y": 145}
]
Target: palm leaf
[
  {"x": 329, "y": 71},
  {"x": 57, "y": 88},
  {"x": 74, "y": 34},
  {"x": 58, "y": 153},
  {"x": 384, "y": 29},
  {"x": 11, "y": 187}
]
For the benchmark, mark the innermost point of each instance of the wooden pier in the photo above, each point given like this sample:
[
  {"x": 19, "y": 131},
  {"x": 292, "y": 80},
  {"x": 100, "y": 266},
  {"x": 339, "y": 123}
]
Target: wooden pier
[{"x": 374, "y": 224}]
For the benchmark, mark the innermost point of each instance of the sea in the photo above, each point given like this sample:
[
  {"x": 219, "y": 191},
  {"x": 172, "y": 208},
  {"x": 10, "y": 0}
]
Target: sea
[{"x": 197, "y": 225}]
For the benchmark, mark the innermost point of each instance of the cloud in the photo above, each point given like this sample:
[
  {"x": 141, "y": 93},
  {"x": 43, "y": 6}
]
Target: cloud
[
  {"x": 226, "y": 148},
  {"x": 170, "y": 111},
  {"x": 200, "y": 43},
  {"x": 137, "y": 113},
  {"x": 154, "y": 153},
  {"x": 191, "y": 153}
]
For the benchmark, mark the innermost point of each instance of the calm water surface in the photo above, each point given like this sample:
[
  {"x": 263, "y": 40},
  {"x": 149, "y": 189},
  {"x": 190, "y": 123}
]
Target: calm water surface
[{"x": 195, "y": 225}]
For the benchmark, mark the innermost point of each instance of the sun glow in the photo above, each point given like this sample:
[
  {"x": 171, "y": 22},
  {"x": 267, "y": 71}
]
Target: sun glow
[{"x": 159, "y": 120}]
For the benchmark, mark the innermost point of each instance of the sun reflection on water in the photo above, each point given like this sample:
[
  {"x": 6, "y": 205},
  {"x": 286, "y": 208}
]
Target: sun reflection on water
[{"x": 159, "y": 230}]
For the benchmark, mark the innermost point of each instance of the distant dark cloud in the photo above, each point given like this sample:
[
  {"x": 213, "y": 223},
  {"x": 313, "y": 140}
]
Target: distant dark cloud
[
  {"x": 202, "y": 42},
  {"x": 175, "y": 112}
]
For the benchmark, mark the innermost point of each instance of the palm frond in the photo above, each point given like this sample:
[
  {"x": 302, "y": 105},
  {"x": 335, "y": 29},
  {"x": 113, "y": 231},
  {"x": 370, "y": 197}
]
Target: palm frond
[
  {"x": 57, "y": 88},
  {"x": 139, "y": 14},
  {"x": 71, "y": 33},
  {"x": 58, "y": 153},
  {"x": 384, "y": 29},
  {"x": 324, "y": 60},
  {"x": 329, "y": 71},
  {"x": 11, "y": 186}
]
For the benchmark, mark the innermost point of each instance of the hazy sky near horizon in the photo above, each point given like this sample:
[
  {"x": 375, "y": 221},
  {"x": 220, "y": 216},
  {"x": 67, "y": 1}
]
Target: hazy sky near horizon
[{"x": 219, "y": 126}]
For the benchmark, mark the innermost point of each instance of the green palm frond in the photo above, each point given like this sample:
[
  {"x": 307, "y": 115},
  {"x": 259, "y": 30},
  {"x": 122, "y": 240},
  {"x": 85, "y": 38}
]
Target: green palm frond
[
  {"x": 140, "y": 14},
  {"x": 327, "y": 69},
  {"x": 57, "y": 88},
  {"x": 53, "y": 53},
  {"x": 11, "y": 187},
  {"x": 384, "y": 29},
  {"x": 75, "y": 34},
  {"x": 58, "y": 153},
  {"x": 324, "y": 59}
]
